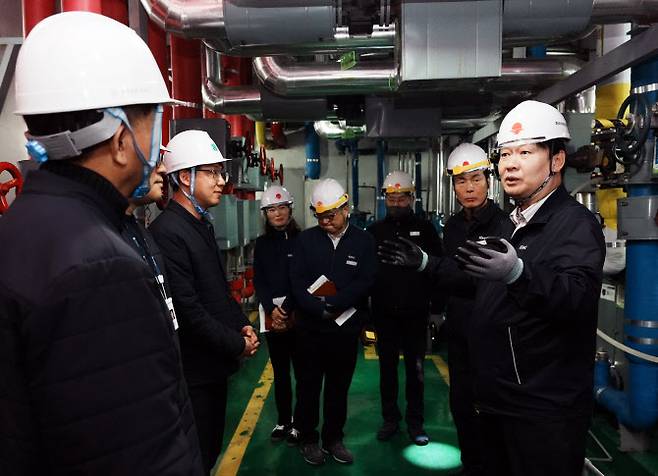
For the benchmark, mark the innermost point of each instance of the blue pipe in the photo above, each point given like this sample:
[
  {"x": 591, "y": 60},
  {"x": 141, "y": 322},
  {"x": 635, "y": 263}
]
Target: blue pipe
[
  {"x": 380, "y": 210},
  {"x": 419, "y": 198},
  {"x": 637, "y": 408},
  {"x": 312, "y": 139},
  {"x": 538, "y": 51}
]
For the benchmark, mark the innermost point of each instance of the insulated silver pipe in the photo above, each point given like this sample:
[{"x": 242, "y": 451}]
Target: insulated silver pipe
[
  {"x": 227, "y": 99},
  {"x": 286, "y": 77},
  {"x": 189, "y": 18},
  {"x": 624, "y": 11}
]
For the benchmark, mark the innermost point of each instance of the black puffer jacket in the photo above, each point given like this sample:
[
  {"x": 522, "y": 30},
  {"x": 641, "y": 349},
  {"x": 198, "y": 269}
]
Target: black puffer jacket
[
  {"x": 90, "y": 374},
  {"x": 397, "y": 291},
  {"x": 210, "y": 319},
  {"x": 532, "y": 342}
]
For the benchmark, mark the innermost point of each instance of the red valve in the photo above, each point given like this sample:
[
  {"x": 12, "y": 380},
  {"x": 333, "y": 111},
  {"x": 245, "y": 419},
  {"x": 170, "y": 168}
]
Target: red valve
[
  {"x": 263, "y": 160},
  {"x": 271, "y": 170},
  {"x": 16, "y": 182},
  {"x": 281, "y": 174}
]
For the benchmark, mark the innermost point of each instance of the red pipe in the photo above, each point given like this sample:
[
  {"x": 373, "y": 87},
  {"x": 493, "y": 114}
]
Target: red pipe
[
  {"x": 116, "y": 9},
  {"x": 34, "y": 11},
  {"x": 157, "y": 42},
  {"x": 82, "y": 5},
  {"x": 186, "y": 75}
]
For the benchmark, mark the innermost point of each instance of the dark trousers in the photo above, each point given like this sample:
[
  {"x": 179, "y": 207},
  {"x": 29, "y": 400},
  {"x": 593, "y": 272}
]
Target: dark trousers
[
  {"x": 328, "y": 358},
  {"x": 409, "y": 336},
  {"x": 462, "y": 405},
  {"x": 515, "y": 446},
  {"x": 281, "y": 346},
  {"x": 209, "y": 405}
]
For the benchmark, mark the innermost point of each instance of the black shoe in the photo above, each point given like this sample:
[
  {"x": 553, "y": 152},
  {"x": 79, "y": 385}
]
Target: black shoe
[
  {"x": 419, "y": 437},
  {"x": 387, "y": 430},
  {"x": 293, "y": 437},
  {"x": 279, "y": 433},
  {"x": 339, "y": 452},
  {"x": 312, "y": 453}
]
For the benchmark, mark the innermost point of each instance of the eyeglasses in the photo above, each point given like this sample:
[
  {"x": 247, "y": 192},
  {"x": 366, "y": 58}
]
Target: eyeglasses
[
  {"x": 215, "y": 174},
  {"x": 327, "y": 216},
  {"x": 277, "y": 208}
]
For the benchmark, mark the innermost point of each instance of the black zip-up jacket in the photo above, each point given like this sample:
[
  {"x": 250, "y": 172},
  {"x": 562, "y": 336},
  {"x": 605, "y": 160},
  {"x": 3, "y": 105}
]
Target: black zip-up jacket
[
  {"x": 400, "y": 292},
  {"x": 490, "y": 220},
  {"x": 272, "y": 256},
  {"x": 90, "y": 374},
  {"x": 351, "y": 266},
  {"x": 532, "y": 342},
  {"x": 210, "y": 319}
]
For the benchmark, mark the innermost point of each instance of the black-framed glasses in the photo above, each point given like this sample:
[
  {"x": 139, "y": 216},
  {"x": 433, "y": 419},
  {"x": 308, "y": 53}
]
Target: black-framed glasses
[
  {"x": 327, "y": 216},
  {"x": 215, "y": 174}
]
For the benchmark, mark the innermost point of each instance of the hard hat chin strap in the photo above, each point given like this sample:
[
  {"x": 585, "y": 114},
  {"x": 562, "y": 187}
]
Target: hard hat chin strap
[
  {"x": 521, "y": 201},
  {"x": 190, "y": 196}
]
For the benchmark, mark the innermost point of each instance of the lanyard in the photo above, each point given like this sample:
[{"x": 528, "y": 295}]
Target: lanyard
[{"x": 148, "y": 258}]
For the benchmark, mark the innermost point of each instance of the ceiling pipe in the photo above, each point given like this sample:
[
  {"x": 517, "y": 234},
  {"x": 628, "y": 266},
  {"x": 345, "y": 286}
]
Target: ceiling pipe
[
  {"x": 623, "y": 11},
  {"x": 285, "y": 77},
  {"x": 226, "y": 99}
]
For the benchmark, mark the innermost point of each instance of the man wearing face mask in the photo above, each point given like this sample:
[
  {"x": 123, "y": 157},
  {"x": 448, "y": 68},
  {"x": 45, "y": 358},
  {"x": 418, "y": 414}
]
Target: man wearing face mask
[
  {"x": 90, "y": 376},
  {"x": 214, "y": 333},
  {"x": 400, "y": 307}
]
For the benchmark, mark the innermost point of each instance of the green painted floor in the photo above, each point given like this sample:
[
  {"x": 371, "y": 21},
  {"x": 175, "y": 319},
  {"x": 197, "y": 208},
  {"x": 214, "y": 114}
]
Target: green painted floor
[{"x": 396, "y": 457}]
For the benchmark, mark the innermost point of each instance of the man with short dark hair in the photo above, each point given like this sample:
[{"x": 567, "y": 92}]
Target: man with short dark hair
[{"x": 90, "y": 376}]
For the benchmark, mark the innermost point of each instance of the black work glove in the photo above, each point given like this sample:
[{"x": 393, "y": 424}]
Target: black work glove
[{"x": 402, "y": 252}]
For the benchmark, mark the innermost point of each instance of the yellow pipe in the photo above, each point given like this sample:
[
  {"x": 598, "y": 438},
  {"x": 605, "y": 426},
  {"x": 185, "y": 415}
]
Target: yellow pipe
[
  {"x": 260, "y": 133},
  {"x": 607, "y": 201}
]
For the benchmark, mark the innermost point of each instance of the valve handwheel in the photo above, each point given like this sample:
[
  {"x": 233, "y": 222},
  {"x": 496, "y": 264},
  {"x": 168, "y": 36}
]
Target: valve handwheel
[
  {"x": 631, "y": 138},
  {"x": 15, "y": 182},
  {"x": 281, "y": 174}
]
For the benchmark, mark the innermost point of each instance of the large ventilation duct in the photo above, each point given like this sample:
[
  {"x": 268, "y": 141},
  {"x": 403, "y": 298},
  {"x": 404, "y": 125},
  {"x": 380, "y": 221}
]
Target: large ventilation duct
[{"x": 286, "y": 77}]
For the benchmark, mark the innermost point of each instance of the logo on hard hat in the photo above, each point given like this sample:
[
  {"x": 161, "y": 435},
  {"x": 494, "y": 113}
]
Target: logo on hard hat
[
  {"x": 517, "y": 127},
  {"x": 466, "y": 162},
  {"x": 318, "y": 203},
  {"x": 397, "y": 185},
  {"x": 214, "y": 147},
  {"x": 278, "y": 195}
]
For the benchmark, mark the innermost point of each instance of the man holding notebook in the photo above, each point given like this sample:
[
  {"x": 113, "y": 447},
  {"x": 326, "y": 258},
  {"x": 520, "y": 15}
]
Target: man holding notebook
[{"x": 332, "y": 270}]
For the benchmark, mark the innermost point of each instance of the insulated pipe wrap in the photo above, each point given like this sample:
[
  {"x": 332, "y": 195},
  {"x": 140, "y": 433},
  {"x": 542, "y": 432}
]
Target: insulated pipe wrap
[{"x": 258, "y": 22}]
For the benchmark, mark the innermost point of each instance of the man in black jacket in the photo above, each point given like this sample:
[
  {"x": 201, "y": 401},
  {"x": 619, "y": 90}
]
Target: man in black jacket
[
  {"x": 532, "y": 338},
  {"x": 401, "y": 306},
  {"x": 329, "y": 322},
  {"x": 469, "y": 167},
  {"x": 90, "y": 376},
  {"x": 214, "y": 333}
]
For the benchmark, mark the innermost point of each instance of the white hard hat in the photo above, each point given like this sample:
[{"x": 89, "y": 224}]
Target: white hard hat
[
  {"x": 189, "y": 149},
  {"x": 467, "y": 158},
  {"x": 327, "y": 195},
  {"x": 275, "y": 195},
  {"x": 398, "y": 182},
  {"x": 531, "y": 122},
  {"x": 75, "y": 61}
]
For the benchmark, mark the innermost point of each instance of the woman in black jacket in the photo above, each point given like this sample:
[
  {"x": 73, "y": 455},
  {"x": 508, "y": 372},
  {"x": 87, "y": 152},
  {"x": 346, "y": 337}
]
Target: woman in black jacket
[{"x": 272, "y": 255}]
